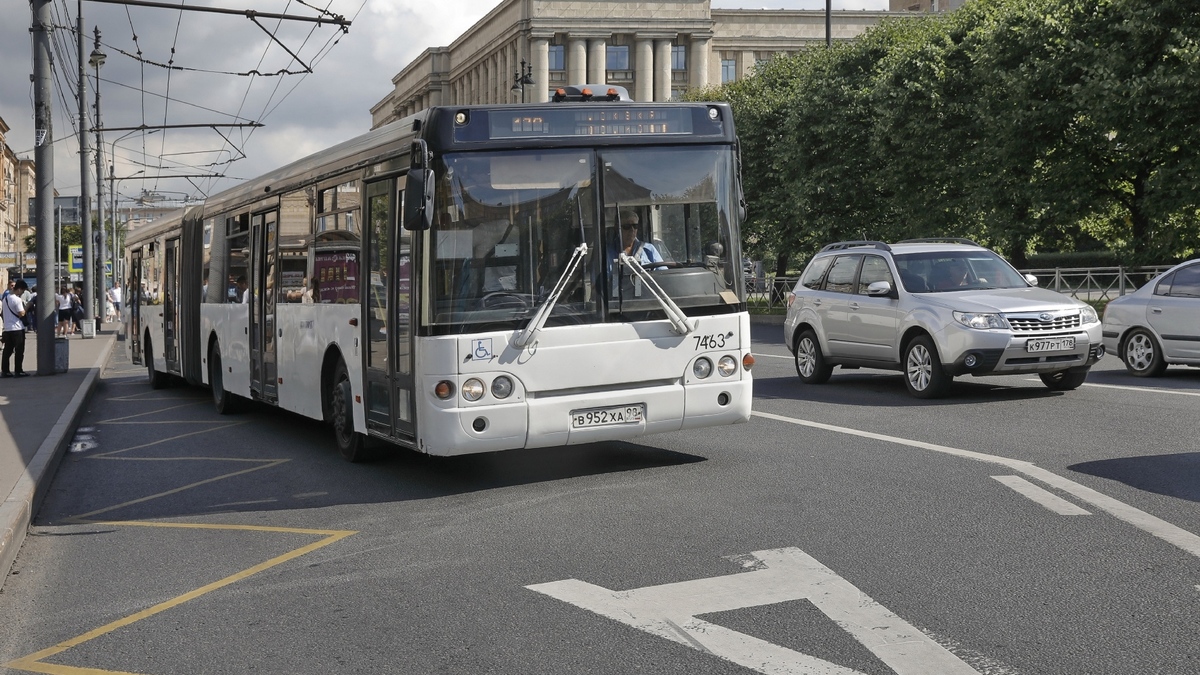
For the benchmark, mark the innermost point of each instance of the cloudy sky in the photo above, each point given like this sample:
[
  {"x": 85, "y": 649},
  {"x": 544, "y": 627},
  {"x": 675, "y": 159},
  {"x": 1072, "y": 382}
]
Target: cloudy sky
[{"x": 212, "y": 54}]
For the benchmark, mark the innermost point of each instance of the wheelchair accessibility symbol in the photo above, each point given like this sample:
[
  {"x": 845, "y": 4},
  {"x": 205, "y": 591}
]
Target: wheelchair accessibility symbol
[{"x": 481, "y": 349}]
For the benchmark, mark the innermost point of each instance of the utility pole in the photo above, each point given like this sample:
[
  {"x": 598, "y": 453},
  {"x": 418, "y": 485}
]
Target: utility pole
[
  {"x": 89, "y": 262},
  {"x": 89, "y": 257},
  {"x": 85, "y": 199},
  {"x": 43, "y": 98}
]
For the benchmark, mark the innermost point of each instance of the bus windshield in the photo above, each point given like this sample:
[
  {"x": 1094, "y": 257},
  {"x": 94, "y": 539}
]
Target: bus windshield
[{"x": 508, "y": 225}]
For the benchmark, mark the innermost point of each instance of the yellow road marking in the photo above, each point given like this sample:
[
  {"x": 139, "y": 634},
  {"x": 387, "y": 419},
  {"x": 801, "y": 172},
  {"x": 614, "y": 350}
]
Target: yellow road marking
[
  {"x": 164, "y": 440},
  {"x": 269, "y": 463},
  {"x": 34, "y": 662},
  {"x": 149, "y": 412}
]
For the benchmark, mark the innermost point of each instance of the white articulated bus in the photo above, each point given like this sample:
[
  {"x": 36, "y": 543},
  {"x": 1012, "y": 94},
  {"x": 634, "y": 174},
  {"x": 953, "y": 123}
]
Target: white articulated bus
[{"x": 458, "y": 282}]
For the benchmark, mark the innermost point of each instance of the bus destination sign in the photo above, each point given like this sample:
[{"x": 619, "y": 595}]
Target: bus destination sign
[{"x": 549, "y": 122}]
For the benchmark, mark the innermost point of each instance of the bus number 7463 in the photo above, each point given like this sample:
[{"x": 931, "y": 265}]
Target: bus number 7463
[{"x": 711, "y": 341}]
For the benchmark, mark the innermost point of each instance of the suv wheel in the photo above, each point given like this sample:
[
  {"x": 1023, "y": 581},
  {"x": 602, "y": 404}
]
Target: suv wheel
[
  {"x": 810, "y": 362},
  {"x": 923, "y": 373}
]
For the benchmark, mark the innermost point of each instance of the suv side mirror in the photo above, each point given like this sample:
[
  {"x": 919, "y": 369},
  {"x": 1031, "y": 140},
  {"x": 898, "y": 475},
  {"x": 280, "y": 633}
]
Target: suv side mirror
[
  {"x": 1033, "y": 281},
  {"x": 880, "y": 288}
]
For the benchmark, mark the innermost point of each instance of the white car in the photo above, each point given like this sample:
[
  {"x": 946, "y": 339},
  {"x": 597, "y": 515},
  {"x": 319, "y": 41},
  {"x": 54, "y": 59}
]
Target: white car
[
  {"x": 1158, "y": 324},
  {"x": 935, "y": 309}
]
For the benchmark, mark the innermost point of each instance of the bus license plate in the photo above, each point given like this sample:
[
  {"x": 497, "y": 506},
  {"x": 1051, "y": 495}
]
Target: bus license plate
[
  {"x": 601, "y": 417},
  {"x": 1050, "y": 344}
]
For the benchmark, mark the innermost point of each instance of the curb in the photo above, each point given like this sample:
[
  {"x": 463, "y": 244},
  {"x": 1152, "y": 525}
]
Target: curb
[{"x": 18, "y": 509}]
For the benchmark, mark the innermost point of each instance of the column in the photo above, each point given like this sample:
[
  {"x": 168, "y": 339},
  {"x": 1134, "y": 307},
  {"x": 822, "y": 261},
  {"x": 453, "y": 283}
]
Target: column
[
  {"x": 538, "y": 92},
  {"x": 509, "y": 68},
  {"x": 514, "y": 66},
  {"x": 597, "y": 62},
  {"x": 577, "y": 61},
  {"x": 698, "y": 62},
  {"x": 747, "y": 65},
  {"x": 662, "y": 70},
  {"x": 643, "y": 76}
]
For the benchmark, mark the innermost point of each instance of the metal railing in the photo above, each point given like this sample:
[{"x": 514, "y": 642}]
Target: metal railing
[
  {"x": 1096, "y": 284},
  {"x": 1091, "y": 284}
]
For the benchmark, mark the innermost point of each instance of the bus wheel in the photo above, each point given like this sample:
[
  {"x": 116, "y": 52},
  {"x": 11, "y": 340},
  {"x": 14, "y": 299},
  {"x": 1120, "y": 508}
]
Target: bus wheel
[
  {"x": 223, "y": 401},
  {"x": 349, "y": 443},
  {"x": 157, "y": 380}
]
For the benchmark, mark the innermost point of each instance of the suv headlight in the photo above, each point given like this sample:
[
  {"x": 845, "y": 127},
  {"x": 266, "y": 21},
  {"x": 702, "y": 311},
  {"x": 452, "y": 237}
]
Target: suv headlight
[
  {"x": 1087, "y": 314},
  {"x": 980, "y": 321}
]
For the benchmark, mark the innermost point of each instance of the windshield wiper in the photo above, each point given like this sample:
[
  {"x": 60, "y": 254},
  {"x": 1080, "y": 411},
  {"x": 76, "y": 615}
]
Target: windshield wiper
[
  {"x": 526, "y": 336},
  {"x": 679, "y": 320}
]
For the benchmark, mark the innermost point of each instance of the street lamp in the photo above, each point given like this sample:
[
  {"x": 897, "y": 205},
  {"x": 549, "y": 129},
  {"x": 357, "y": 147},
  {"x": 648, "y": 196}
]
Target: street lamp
[
  {"x": 521, "y": 78},
  {"x": 113, "y": 181},
  {"x": 89, "y": 261}
]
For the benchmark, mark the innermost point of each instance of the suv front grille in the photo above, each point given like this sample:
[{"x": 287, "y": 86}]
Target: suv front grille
[{"x": 1032, "y": 323}]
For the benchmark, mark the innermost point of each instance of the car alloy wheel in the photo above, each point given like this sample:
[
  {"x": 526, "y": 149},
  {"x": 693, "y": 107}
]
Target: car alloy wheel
[
  {"x": 811, "y": 365},
  {"x": 1142, "y": 355},
  {"x": 923, "y": 373}
]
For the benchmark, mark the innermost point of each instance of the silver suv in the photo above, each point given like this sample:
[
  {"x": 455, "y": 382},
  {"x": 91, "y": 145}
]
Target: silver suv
[{"x": 934, "y": 309}]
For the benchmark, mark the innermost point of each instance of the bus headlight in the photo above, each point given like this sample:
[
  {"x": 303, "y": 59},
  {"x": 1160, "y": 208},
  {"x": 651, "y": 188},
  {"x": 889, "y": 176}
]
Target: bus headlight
[
  {"x": 472, "y": 389},
  {"x": 702, "y": 368},
  {"x": 727, "y": 366},
  {"x": 502, "y": 387},
  {"x": 444, "y": 389}
]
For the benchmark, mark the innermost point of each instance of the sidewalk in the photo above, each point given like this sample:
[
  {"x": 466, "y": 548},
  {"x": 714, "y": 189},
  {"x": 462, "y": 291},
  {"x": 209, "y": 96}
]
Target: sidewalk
[{"x": 38, "y": 416}]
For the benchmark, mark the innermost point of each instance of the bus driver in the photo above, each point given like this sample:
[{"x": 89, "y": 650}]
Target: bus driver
[{"x": 644, "y": 252}]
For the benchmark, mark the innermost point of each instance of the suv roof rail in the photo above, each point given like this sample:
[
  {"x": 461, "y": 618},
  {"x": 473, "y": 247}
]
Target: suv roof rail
[
  {"x": 856, "y": 244},
  {"x": 939, "y": 240}
]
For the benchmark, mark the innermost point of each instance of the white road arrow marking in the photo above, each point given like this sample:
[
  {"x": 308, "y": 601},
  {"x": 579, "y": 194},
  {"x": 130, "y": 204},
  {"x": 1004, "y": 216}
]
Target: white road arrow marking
[{"x": 669, "y": 611}]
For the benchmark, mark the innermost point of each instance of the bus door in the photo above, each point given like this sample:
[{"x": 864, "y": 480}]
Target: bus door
[
  {"x": 388, "y": 298},
  {"x": 170, "y": 300},
  {"x": 134, "y": 300},
  {"x": 262, "y": 306}
]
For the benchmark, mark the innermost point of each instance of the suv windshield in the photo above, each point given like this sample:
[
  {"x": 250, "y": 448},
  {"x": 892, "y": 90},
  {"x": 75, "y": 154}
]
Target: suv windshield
[
  {"x": 944, "y": 271},
  {"x": 508, "y": 224}
]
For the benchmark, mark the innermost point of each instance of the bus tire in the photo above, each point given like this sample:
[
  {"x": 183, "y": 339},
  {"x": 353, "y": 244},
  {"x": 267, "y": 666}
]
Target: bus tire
[
  {"x": 350, "y": 444},
  {"x": 157, "y": 380},
  {"x": 225, "y": 402}
]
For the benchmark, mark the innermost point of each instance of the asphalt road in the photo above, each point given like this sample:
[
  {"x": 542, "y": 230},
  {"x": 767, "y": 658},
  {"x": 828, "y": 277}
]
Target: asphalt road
[{"x": 845, "y": 528}]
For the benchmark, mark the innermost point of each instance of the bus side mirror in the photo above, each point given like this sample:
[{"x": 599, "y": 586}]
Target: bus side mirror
[{"x": 418, "y": 200}]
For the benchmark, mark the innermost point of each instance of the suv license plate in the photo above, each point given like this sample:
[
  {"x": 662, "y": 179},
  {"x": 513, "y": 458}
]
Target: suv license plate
[
  {"x": 1050, "y": 344},
  {"x": 601, "y": 417}
]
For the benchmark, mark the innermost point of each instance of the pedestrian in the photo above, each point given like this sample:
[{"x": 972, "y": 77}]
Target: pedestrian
[
  {"x": 27, "y": 298},
  {"x": 62, "y": 310},
  {"x": 114, "y": 296},
  {"x": 12, "y": 314},
  {"x": 76, "y": 312},
  {"x": 31, "y": 309}
]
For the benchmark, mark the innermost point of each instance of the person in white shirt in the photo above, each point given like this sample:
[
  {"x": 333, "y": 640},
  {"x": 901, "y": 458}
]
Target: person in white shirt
[
  {"x": 114, "y": 296},
  {"x": 12, "y": 314},
  {"x": 62, "y": 304}
]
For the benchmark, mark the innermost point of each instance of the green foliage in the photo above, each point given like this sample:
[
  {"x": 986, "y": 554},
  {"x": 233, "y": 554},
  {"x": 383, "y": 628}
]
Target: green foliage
[
  {"x": 72, "y": 235},
  {"x": 1024, "y": 124},
  {"x": 1043, "y": 261}
]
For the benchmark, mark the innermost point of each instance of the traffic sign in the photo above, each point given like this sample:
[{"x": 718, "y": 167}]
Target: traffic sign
[{"x": 76, "y": 259}]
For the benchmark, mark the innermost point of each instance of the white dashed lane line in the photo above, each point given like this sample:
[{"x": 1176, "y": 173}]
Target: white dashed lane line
[{"x": 1150, "y": 524}]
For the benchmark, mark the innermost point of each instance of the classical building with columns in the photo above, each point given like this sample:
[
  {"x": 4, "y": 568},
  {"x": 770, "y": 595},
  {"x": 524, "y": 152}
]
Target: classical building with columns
[{"x": 524, "y": 49}]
